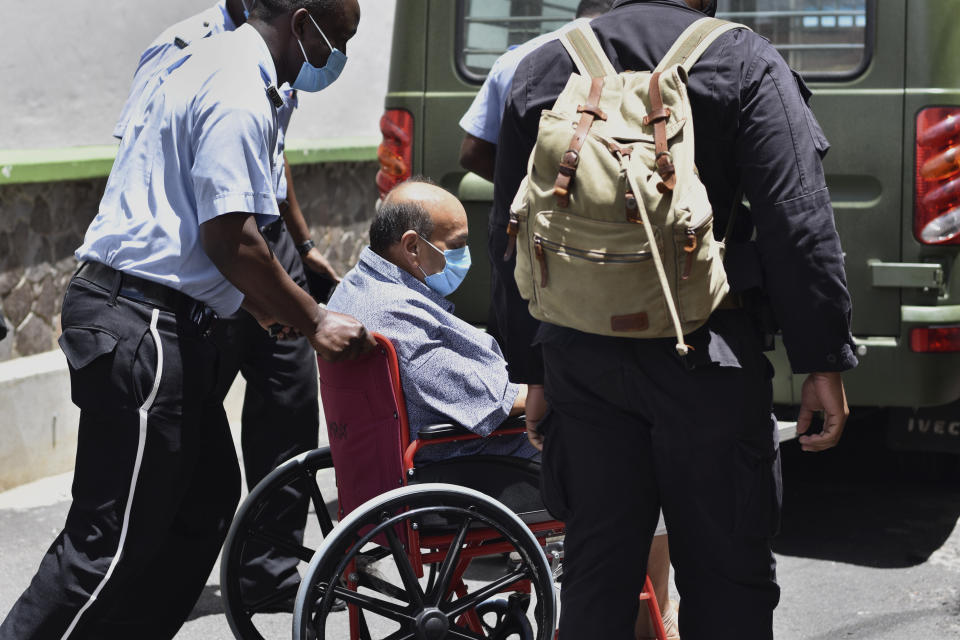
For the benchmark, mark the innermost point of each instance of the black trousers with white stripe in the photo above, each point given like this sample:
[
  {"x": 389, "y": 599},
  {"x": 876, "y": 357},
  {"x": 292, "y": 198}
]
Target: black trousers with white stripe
[{"x": 156, "y": 481}]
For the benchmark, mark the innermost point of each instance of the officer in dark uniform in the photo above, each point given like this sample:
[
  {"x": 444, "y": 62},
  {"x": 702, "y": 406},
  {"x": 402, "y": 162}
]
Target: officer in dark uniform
[
  {"x": 632, "y": 425},
  {"x": 176, "y": 239}
]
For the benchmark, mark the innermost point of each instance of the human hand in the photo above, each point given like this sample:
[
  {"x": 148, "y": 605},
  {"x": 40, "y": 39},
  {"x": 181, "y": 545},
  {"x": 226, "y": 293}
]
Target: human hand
[
  {"x": 822, "y": 392},
  {"x": 315, "y": 261},
  {"x": 341, "y": 337},
  {"x": 535, "y": 410}
]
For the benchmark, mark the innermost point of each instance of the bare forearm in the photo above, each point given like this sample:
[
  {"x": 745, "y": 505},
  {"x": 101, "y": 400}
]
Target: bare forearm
[
  {"x": 235, "y": 246},
  {"x": 478, "y": 156},
  {"x": 520, "y": 403}
]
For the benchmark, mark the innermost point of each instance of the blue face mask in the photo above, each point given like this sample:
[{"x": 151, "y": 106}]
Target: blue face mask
[
  {"x": 246, "y": 12},
  {"x": 447, "y": 281},
  {"x": 312, "y": 79}
]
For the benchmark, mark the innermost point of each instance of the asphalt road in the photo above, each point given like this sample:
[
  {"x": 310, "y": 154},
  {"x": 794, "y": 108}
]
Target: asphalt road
[{"x": 870, "y": 547}]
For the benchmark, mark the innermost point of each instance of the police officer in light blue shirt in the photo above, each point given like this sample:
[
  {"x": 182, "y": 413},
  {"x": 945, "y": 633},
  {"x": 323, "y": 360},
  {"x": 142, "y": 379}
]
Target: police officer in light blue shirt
[
  {"x": 280, "y": 375},
  {"x": 177, "y": 234}
]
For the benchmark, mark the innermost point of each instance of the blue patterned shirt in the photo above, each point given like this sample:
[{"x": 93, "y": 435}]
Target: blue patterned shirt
[{"x": 450, "y": 370}]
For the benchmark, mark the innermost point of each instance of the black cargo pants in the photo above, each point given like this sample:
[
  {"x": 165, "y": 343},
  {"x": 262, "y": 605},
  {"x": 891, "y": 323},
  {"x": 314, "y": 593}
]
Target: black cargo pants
[
  {"x": 156, "y": 480},
  {"x": 632, "y": 427},
  {"x": 280, "y": 419}
]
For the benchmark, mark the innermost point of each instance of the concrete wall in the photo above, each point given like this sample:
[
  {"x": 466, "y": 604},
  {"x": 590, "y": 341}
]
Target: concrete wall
[
  {"x": 38, "y": 423},
  {"x": 66, "y": 67}
]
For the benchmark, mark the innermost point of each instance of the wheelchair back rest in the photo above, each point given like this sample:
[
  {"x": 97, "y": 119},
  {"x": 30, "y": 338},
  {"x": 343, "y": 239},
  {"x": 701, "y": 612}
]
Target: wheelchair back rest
[{"x": 367, "y": 424}]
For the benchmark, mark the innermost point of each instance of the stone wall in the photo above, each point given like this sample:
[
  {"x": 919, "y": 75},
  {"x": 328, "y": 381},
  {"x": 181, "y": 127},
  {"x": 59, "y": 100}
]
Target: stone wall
[{"x": 42, "y": 224}]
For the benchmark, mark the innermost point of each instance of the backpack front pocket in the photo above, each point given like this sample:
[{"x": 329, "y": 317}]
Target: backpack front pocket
[{"x": 595, "y": 276}]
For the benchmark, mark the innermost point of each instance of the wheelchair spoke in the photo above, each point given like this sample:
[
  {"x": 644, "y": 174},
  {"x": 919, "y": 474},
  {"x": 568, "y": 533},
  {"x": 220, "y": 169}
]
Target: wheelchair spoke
[
  {"x": 382, "y": 608},
  {"x": 407, "y": 574},
  {"x": 402, "y": 634},
  {"x": 269, "y": 601},
  {"x": 295, "y": 550},
  {"x": 382, "y": 586},
  {"x": 471, "y": 600},
  {"x": 364, "y": 630},
  {"x": 449, "y": 566},
  {"x": 319, "y": 504}
]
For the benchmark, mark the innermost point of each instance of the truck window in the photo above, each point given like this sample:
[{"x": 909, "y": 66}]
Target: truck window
[
  {"x": 821, "y": 39},
  {"x": 488, "y": 28}
]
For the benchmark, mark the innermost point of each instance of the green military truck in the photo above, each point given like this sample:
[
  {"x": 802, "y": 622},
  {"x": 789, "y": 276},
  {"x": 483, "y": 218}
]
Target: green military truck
[{"x": 885, "y": 79}]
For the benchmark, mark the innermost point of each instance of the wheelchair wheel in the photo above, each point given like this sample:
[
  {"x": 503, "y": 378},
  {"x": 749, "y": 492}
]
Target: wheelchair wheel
[
  {"x": 501, "y": 620},
  {"x": 254, "y": 539},
  {"x": 388, "y": 601}
]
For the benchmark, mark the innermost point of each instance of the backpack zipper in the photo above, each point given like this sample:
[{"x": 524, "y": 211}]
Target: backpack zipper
[{"x": 541, "y": 245}]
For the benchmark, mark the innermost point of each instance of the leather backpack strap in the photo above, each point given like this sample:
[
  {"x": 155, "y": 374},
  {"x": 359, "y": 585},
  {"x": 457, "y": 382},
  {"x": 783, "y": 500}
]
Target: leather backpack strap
[
  {"x": 694, "y": 40},
  {"x": 658, "y": 116},
  {"x": 686, "y": 50},
  {"x": 571, "y": 158},
  {"x": 583, "y": 46}
]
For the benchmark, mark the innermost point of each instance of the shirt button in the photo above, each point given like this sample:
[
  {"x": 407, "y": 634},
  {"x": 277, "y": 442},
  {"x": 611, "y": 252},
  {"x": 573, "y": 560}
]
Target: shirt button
[{"x": 832, "y": 359}]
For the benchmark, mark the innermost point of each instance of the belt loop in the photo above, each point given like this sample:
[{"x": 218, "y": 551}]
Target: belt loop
[{"x": 115, "y": 289}]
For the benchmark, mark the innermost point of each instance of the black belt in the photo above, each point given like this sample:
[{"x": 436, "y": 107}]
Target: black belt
[{"x": 135, "y": 288}]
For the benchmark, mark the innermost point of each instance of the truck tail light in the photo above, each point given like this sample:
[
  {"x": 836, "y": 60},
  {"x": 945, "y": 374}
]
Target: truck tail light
[
  {"x": 396, "y": 151},
  {"x": 935, "y": 339},
  {"x": 937, "y": 209}
]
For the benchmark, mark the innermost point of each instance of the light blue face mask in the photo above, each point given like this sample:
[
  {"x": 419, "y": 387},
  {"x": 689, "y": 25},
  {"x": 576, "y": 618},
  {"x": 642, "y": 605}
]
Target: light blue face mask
[
  {"x": 312, "y": 79},
  {"x": 458, "y": 263}
]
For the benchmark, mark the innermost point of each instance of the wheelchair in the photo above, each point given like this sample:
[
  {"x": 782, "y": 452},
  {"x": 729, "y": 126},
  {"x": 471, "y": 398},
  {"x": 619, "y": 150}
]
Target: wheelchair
[{"x": 418, "y": 552}]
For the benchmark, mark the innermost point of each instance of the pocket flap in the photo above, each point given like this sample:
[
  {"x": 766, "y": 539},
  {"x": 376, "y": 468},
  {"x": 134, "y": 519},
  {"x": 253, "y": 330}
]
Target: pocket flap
[{"x": 83, "y": 345}]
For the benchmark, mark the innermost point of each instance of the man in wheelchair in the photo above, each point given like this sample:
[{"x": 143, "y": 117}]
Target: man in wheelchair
[{"x": 450, "y": 370}]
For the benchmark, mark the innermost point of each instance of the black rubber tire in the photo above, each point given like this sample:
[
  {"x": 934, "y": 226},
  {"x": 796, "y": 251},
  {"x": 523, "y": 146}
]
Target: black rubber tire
[
  {"x": 380, "y": 517},
  {"x": 300, "y": 468}
]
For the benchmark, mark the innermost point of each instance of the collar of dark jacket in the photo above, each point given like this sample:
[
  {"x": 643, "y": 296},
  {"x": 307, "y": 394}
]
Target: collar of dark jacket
[{"x": 679, "y": 3}]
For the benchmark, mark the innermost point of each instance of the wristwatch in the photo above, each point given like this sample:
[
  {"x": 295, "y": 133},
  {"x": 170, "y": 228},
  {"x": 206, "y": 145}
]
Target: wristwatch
[{"x": 302, "y": 249}]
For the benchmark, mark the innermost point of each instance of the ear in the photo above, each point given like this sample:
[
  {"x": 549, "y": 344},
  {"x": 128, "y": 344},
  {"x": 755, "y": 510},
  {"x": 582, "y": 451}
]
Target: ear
[
  {"x": 298, "y": 20},
  {"x": 410, "y": 245}
]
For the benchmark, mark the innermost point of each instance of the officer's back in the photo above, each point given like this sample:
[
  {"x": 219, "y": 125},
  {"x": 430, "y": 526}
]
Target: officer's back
[{"x": 753, "y": 130}]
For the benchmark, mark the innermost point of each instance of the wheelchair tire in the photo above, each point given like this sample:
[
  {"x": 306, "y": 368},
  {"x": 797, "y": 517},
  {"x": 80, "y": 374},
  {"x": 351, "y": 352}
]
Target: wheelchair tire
[
  {"x": 250, "y": 533},
  {"x": 381, "y": 605}
]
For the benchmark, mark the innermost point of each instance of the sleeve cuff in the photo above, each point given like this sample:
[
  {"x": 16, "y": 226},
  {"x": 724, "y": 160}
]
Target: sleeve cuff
[
  {"x": 843, "y": 359},
  {"x": 262, "y": 205}
]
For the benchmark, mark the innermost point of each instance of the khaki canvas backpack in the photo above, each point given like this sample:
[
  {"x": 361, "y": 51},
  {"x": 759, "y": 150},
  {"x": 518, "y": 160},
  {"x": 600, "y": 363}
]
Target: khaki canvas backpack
[{"x": 613, "y": 228}]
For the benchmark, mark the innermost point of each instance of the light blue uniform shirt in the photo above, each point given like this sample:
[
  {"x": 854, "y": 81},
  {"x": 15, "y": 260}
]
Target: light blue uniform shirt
[
  {"x": 202, "y": 144},
  {"x": 482, "y": 120},
  {"x": 450, "y": 370},
  {"x": 170, "y": 45}
]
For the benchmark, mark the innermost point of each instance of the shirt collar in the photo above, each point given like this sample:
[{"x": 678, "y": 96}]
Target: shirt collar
[
  {"x": 252, "y": 38},
  {"x": 380, "y": 265},
  {"x": 620, "y": 3}
]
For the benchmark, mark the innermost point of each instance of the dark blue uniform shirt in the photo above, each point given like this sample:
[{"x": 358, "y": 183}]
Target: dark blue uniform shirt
[{"x": 752, "y": 128}]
